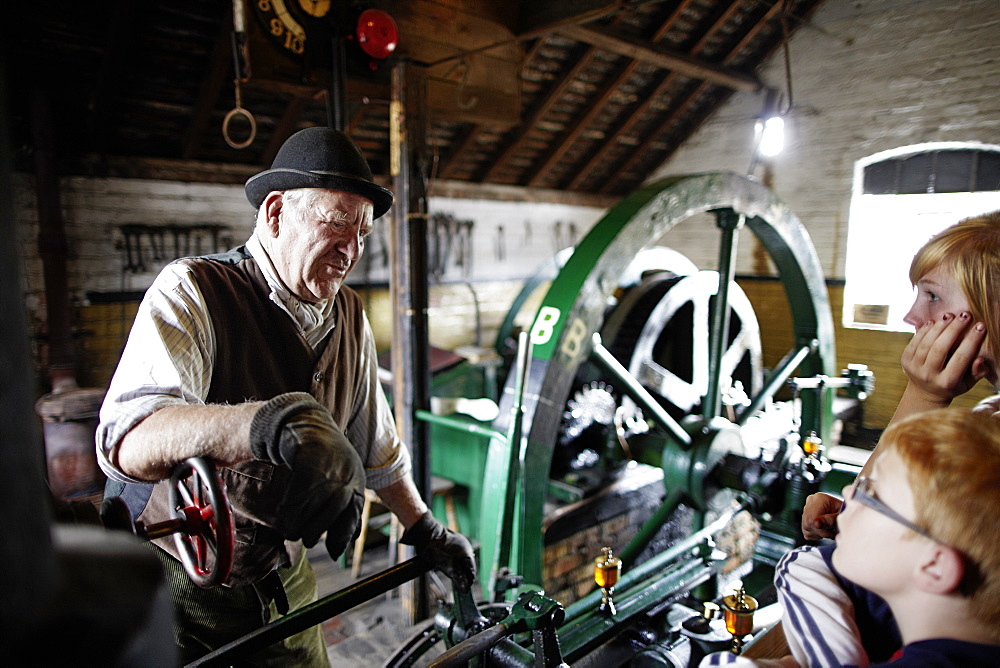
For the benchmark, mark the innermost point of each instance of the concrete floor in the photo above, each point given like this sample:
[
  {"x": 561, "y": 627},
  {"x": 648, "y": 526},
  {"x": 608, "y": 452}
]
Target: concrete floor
[{"x": 372, "y": 632}]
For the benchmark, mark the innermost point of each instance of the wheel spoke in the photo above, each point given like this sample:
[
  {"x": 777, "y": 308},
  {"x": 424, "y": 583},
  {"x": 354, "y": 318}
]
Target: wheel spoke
[
  {"x": 577, "y": 302},
  {"x": 639, "y": 394},
  {"x": 729, "y": 222},
  {"x": 774, "y": 381},
  {"x": 206, "y": 541}
]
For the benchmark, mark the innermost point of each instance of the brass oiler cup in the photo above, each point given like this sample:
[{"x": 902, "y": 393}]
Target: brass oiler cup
[
  {"x": 738, "y": 609},
  {"x": 607, "y": 570}
]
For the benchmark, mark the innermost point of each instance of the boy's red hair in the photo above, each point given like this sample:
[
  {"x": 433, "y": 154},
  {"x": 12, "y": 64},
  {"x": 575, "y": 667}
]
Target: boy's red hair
[{"x": 953, "y": 467}]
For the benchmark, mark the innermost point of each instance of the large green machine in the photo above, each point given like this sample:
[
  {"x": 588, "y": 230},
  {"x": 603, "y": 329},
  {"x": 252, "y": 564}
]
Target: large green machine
[{"x": 599, "y": 364}]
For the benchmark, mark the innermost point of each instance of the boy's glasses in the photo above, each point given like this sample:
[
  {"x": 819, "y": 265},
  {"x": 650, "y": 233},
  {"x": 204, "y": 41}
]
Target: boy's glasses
[{"x": 865, "y": 497}]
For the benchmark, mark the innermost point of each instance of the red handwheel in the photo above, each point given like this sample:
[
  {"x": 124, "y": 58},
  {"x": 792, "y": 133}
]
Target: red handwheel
[{"x": 207, "y": 535}]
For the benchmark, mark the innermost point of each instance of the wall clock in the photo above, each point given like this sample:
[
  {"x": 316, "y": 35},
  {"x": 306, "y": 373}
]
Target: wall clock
[{"x": 301, "y": 29}]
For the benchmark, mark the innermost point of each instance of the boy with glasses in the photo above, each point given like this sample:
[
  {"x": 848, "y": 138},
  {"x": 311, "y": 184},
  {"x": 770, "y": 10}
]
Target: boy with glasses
[{"x": 916, "y": 555}]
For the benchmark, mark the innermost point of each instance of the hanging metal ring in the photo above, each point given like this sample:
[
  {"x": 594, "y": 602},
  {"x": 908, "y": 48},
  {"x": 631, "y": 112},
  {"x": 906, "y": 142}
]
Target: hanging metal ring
[
  {"x": 233, "y": 113},
  {"x": 238, "y": 110}
]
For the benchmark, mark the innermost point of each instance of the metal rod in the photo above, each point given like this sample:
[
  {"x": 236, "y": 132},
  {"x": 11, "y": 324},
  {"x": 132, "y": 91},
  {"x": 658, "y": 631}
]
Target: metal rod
[
  {"x": 163, "y": 529},
  {"x": 636, "y": 575},
  {"x": 471, "y": 647},
  {"x": 338, "y": 84},
  {"x": 460, "y": 425},
  {"x": 317, "y": 612},
  {"x": 516, "y": 474},
  {"x": 655, "y": 592},
  {"x": 777, "y": 377},
  {"x": 718, "y": 335},
  {"x": 650, "y": 528},
  {"x": 604, "y": 359}
]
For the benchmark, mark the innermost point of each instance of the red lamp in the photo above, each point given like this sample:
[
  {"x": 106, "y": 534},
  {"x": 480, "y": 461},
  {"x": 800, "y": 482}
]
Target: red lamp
[{"x": 377, "y": 33}]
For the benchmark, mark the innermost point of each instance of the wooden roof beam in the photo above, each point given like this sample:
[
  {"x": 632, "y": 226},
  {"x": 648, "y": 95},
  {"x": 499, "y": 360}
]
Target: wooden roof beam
[
  {"x": 570, "y": 137},
  {"x": 617, "y": 41},
  {"x": 601, "y": 155},
  {"x": 552, "y": 98},
  {"x": 665, "y": 125},
  {"x": 538, "y": 18},
  {"x": 448, "y": 167}
]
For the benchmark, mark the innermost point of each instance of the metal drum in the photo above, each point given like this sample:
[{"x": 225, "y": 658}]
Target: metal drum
[{"x": 69, "y": 421}]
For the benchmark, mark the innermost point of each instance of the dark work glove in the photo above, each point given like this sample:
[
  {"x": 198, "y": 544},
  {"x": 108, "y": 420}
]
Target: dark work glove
[
  {"x": 327, "y": 487},
  {"x": 442, "y": 548}
]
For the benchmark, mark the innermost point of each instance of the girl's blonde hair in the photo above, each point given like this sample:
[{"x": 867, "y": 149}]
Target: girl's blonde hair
[{"x": 970, "y": 251}]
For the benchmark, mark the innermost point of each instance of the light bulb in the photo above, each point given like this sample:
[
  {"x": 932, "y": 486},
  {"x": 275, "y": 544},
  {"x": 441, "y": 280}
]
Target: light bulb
[{"x": 772, "y": 136}]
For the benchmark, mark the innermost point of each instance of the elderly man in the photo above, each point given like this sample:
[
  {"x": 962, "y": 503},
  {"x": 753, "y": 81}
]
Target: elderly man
[{"x": 261, "y": 360}]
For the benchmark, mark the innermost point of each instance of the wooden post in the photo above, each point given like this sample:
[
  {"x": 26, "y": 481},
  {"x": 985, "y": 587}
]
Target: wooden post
[{"x": 408, "y": 289}]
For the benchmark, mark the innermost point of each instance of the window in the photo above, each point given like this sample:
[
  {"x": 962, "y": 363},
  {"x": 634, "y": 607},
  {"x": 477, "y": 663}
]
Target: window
[{"x": 902, "y": 198}]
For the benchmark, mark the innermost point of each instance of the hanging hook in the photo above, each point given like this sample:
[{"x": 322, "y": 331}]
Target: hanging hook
[{"x": 460, "y": 91}]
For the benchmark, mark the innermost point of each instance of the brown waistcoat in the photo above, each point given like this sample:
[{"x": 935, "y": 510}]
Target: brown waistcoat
[{"x": 260, "y": 354}]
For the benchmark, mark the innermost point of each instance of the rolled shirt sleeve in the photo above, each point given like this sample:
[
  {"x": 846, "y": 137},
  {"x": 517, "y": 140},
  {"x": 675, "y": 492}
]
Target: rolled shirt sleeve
[
  {"x": 167, "y": 360},
  {"x": 372, "y": 428}
]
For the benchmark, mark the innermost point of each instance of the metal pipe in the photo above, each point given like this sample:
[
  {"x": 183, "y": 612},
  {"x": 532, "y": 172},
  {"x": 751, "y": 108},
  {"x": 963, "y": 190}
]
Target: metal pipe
[
  {"x": 316, "y": 612},
  {"x": 460, "y": 425},
  {"x": 650, "y": 528},
  {"x": 338, "y": 83}
]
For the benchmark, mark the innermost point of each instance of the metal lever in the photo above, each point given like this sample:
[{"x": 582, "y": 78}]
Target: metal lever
[{"x": 532, "y": 612}]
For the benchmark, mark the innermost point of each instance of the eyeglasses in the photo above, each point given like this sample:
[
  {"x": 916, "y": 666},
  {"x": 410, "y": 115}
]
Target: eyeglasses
[{"x": 865, "y": 497}]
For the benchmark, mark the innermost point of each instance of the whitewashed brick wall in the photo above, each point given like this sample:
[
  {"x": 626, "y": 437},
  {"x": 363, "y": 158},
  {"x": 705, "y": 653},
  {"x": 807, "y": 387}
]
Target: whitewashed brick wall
[
  {"x": 93, "y": 210},
  {"x": 867, "y": 76},
  {"x": 511, "y": 238}
]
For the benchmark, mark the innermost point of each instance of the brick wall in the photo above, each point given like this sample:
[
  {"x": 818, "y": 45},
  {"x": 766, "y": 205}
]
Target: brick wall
[
  {"x": 103, "y": 327},
  {"x": 866, "y": 77},
  {"x": 105, "y": 282}
]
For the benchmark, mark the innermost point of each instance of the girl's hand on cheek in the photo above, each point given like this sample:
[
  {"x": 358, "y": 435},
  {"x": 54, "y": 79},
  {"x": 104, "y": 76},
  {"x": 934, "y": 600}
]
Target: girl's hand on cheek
[{"x": 942, "y": 360}]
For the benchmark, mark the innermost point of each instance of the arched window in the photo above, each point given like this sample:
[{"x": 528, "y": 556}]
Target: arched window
[{"x": 901, "y": 198}]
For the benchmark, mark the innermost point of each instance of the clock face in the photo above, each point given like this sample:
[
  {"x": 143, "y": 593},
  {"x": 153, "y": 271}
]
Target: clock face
[
  {"x": 299, "y": 28},
  {"x": 317, "y": 8}
]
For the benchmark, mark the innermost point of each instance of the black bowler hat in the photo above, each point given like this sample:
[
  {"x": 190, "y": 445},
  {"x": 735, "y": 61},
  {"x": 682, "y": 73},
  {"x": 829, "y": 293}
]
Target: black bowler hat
[{"x": 319, "y": 158}]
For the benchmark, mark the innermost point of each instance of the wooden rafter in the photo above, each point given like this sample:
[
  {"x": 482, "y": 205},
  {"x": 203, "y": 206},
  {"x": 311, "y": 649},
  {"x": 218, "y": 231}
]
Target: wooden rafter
[
  {"x": 460, "y": 146},
  {"x": 624, "y": 44},
  {"x": 573, "y": 135},
  {"x": 447, "y": 170},
  {"x": 665, "y": 125},
  {"x": 553, "y": 97},
  {"x": 634, "y": 118}
]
